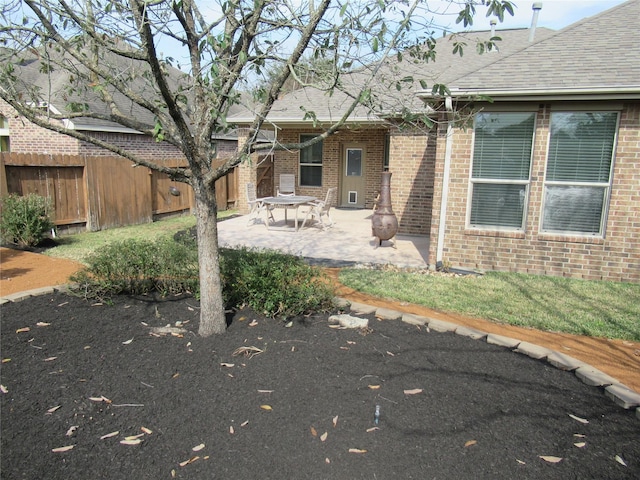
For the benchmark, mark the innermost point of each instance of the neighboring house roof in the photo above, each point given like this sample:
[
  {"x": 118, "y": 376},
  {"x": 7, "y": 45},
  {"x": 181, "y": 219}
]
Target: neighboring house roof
[
  {"x": 387, "y": 99},
  {"x": 597, "y": 56}
]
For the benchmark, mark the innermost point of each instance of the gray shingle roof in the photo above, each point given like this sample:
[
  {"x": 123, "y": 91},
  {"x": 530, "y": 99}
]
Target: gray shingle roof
[
  {"x": 599, "y": 51},
  {"x": 447, "y": 67}
]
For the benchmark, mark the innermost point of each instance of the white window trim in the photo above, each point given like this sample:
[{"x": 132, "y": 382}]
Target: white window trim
[
  {"x": 607, "y": 186},
  {"x": 472, "y": 181}
]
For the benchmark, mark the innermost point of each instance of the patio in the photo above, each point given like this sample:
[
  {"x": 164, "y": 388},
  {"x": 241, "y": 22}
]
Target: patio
[{"x": 347, "y": 242}]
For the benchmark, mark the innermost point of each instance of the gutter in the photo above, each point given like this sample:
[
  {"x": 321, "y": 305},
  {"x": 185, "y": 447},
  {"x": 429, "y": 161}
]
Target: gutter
[
  {"x": 445, "y": 184},
  {"x": 622, "y": 92}
]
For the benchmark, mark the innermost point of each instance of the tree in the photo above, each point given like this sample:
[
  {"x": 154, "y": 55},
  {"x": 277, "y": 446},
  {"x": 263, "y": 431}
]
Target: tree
[{"x": 110, "y": 52}]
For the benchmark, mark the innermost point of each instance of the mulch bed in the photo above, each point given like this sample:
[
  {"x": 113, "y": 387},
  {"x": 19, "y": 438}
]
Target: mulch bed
[{"x": 302, "y": 407}]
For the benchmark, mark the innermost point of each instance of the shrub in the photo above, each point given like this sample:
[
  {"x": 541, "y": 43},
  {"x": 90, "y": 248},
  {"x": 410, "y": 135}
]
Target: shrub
[
  {"x": 269, "y": 282},
  {"x": 273, "y": 283},
  {"x": 25, "y": 221},
  {"x": 138, "y": 267}
]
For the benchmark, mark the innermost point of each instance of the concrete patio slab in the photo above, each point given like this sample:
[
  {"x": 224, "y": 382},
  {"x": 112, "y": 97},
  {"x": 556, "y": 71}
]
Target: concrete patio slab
[{"x": 348, "y": 242}]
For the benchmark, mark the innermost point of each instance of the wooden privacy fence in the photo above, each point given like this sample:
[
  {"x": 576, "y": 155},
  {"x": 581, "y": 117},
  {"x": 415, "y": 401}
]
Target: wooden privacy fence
[{"x": 104, "y": 192}]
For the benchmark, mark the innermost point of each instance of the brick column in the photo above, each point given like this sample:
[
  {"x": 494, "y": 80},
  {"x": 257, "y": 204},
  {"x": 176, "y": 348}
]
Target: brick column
[{"x": 247, "y": 172}]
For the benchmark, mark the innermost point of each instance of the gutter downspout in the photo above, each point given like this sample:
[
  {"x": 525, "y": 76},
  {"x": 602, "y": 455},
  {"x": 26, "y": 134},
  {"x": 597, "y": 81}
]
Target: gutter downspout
[{"x": 445, "y": 184}]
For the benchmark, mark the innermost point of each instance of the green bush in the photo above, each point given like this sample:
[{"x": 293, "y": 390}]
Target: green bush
[
  {"x": 25, "y": 221},
  {"x": 138, "y": 267},
  {"x": 274, "y": 284}
]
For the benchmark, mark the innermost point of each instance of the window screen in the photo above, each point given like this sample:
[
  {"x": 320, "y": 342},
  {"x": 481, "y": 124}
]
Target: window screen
[
  {"x": 501, "y": 169},
  {"x": 311, "y": 163},
  {"x": 578, "y": 176}
]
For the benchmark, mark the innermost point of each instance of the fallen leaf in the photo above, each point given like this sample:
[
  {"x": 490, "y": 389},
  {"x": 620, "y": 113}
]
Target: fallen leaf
[
  {"x": 197, "y": 448},
  {"x": 580, "y": 444},
  {"x": 62, "y": 304},
  {"x": 372, "y": 429},
  {"x": 23, "y": 329},
  {"x": 173, "y": 473},
  {"x": 109, "y": 435},
  {"x": 146, "y": 430},
  {"x": 356, "y": 450},
  {"x": 344, "y": 348},
  {"x": 390, "y": 354},
  {"x": 231, "y": 430},
  {"x": 314, "y": 432},
  {"x": 520, "y": 462},
  {"x": 581, "y": 420},
  {"x": 374, "y": 387},
  {"x": 53, "y": 409},
  {"x": 127, "y": 342},
  {"x": 62, "y": 449},
  {"x": 6, "y": 360},
  {"x": 550, "y": 458},
  {"x": 469, "y": 443},
  {"x": 135, "y": 441},
  {"x": 249, "y": 352},
  {"x": 134, "y": 437},
  {"x": 175, "y": 375},
  {"x": 228, "y": 365},
  {"x": 187, "y": 462},
  {"x": 620, "y": 460},
  {"x": 100, "y": 399},
  {"x": 350, "y": 342},
  {"x": 265, "y": 391},
  {"x": 50, "y": 359},
  {"x": 415, "y": 391},
  {"x": 326, "y": 460},
  {"x": 289, "y": 325},
  {"x": 43, "y": 324},
  {"x": 335, "y": 421},
  {"x": 253, "y": 323},
  {"x": 324, "y": 436},
  {"x": 579, "y": 435},
  {"x": 266, "y": 407},
  {"x": 4, "y": 389},
  {"x": 72, "y": 430}
]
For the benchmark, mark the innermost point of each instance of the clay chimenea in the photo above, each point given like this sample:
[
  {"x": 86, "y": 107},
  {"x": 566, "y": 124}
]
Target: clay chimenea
[{"x": 384, "y": 224}]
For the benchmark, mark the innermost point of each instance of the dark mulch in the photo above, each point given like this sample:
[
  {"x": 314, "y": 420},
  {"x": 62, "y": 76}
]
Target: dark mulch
[{"x": 484, "y": 411}]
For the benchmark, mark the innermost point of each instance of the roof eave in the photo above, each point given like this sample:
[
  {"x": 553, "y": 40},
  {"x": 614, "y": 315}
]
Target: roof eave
[{"x": 622, "y": 92}]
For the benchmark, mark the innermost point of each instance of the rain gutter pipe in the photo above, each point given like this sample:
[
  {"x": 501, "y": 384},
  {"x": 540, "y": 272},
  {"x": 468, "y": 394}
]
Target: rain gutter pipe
[{"x": 442, "y": 223}]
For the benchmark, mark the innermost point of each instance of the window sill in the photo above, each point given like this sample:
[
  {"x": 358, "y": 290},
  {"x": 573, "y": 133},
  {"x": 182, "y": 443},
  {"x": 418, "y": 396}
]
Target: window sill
[
  {"x": 495, "y": 233},
  {"x": 568, "y": 238}
]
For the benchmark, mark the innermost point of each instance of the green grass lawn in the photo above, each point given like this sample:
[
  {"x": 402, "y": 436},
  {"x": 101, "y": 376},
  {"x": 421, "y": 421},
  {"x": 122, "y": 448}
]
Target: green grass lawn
[{"x": 598, "y": 309}]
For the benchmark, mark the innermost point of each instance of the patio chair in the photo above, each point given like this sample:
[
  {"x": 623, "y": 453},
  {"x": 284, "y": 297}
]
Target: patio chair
[
  {"x": 256, "y": 205},
  {"x": 321, "y": 207},
  {"x": 287, "y": 187}
]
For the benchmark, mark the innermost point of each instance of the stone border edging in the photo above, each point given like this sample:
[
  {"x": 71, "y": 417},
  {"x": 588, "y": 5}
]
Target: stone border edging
[{"x": 619, "y": 393}]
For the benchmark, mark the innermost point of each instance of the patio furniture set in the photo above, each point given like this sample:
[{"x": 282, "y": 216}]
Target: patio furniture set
[{"x": 312, "y": 207}]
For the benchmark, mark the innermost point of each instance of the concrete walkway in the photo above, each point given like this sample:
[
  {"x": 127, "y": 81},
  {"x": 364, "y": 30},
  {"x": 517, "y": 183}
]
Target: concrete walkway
[{"x": 347, "y": 242}]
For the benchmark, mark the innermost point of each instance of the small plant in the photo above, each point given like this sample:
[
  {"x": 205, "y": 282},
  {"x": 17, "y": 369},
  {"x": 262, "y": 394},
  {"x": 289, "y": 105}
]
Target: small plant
[{"x": 25, "y": 221}]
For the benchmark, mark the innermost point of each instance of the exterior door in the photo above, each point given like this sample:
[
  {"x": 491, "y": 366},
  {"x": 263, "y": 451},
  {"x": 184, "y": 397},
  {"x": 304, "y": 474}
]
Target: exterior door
[{"x": 353, "y": 180}]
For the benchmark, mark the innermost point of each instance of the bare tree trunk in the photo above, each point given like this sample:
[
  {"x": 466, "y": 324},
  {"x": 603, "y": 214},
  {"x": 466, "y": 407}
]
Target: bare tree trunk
[{"x": 212, "y": 317}]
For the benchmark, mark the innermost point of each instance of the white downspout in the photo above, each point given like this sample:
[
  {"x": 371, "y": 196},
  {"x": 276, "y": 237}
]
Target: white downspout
[{"x": 445, "y": 184}]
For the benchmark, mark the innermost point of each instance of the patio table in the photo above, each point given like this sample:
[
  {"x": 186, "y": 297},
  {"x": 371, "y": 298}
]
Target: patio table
[{"x": 286, "y": 203}]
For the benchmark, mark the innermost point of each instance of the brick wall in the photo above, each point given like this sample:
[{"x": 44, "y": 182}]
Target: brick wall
[
  {"x": 614, "y": 257},
  {"x": 411, "y": 162}
]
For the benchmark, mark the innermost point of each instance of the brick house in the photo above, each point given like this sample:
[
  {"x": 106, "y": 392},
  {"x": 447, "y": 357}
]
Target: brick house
[{"x": 543, "y": 179}]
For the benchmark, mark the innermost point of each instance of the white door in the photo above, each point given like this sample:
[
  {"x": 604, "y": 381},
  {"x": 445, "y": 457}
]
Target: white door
[{"x": 353, "y": 180}]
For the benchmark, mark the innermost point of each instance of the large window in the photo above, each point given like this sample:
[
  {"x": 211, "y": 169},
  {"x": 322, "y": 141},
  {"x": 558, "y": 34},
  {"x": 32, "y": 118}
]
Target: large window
[
  {"x": 311, "y": 163},
  {"x": 501, "y": 169},
  {"x": 4, "y": 134},
  {"x": 578, "y": 176}
]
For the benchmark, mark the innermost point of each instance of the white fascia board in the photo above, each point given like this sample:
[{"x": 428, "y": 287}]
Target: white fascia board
[
  {"x": 298, "y": 123},
  {"x": 97, "y": 128},
  {"x": 624, "y": 92}
]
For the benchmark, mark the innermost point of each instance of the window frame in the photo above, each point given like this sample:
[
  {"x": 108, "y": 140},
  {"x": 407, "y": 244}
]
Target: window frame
[
  {"x": 5, "y": 137},
  {"x": 496, "y": 181},
  {"x": 606, "y": 186},
  {"x": 305, "y": 137}
]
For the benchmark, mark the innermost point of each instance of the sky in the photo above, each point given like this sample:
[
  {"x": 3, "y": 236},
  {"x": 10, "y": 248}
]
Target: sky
[{"x": 555, "y": 14}]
